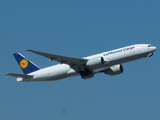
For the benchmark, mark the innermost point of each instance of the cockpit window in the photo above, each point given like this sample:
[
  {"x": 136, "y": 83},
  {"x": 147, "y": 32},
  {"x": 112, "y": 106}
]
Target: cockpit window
[{"x": 150, "y": 45}]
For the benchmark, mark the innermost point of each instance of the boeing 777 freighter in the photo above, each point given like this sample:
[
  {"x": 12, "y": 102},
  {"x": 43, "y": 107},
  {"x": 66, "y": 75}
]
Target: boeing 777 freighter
[{"x": 109, "y": 62}]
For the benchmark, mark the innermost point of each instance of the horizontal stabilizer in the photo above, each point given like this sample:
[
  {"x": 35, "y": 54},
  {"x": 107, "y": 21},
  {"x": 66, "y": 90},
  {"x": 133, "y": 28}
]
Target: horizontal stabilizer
[{"x": 19, "y": 75}]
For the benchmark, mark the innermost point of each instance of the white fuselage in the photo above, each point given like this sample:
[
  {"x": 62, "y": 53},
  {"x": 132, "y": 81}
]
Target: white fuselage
[{"x": 113, "y": 57}]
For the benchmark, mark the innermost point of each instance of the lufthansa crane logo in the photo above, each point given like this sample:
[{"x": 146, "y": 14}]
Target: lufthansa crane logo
[{"x": 24, "y": 63}]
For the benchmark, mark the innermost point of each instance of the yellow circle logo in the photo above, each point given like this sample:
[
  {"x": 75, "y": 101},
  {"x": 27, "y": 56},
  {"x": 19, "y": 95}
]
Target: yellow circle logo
[{"x": 24, "y": 63}]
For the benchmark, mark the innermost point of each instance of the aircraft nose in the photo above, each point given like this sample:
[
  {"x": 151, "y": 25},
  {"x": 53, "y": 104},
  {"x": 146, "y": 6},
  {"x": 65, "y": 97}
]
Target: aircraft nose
[{"x": 154, "y": 48}]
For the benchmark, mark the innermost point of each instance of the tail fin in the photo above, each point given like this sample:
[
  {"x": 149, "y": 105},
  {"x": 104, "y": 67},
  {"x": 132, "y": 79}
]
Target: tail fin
[{"x": 26, "y": 65}]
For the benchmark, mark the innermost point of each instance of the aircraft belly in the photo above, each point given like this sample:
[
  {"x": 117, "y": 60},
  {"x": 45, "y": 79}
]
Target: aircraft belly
[
  {"x": 51, "y": 73},
  {"x": 59, "y": 72},
  {"x": 100, "y": 69}
]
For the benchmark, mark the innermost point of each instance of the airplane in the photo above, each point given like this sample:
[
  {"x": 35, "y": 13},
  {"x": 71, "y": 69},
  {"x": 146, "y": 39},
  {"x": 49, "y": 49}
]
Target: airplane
[{"x": 109, "y": 62}]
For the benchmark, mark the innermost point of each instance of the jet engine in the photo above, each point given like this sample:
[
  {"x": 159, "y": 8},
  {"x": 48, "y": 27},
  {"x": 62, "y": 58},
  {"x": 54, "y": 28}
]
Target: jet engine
[
  {"x": 114, "y": 70},
  {"x": 96, "y": 62}
]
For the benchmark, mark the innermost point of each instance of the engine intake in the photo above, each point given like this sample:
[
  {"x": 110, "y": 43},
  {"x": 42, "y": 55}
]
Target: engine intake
[{"x": 114, "y": 70}]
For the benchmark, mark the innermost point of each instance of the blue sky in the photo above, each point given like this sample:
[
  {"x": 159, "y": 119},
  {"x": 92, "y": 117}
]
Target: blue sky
[{"x": 77, "y": 29}]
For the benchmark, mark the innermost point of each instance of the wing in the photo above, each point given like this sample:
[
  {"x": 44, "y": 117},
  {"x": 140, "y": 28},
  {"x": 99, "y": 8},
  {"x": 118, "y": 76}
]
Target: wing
[
  {"x": 18, "y": 75},
  {"x": 62, "y": 59}
]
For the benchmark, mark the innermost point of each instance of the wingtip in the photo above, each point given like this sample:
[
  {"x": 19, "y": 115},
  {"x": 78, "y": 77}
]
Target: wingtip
[
  {"x": 6, "y": 73},
  {"x": 28, "y": 50}
]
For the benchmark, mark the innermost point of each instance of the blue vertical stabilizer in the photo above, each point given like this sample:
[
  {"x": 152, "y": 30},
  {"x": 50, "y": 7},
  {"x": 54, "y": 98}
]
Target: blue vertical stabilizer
[{"x": 26, "y": 65}]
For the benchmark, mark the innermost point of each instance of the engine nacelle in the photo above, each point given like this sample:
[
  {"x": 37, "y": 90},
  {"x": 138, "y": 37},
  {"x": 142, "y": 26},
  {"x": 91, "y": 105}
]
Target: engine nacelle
[
  {"x": 114, "y": 70},
  {"x": 95, "y": 62}
]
